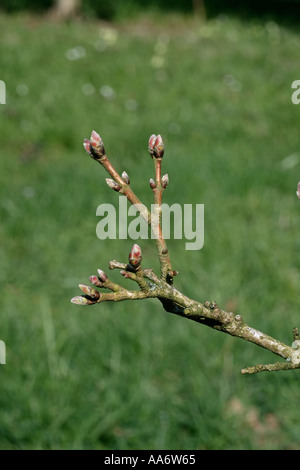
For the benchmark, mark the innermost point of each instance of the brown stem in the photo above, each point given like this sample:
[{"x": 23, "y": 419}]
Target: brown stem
[
  {"x": 165, "y": 263},
  {"x": 125, "y": 189},
  {"x": 163, "y": 253}
]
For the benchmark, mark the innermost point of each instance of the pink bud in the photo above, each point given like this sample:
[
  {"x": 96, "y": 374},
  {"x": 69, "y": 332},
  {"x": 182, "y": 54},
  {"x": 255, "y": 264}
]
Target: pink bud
[
  {"x": 165, "y": 181},
  {"x": 95, "y": 281},
  {"x": 112, "y": 184},
  {"x": 298, "y": 190},
  {"x": 97, "y": 144},
  {"x": 95, "y": 137},
  {"x": 135, "y": 256},
  {"x": 93, "y": 293},
  {"x": 159, "y": 147},
  {"x": 151, "y": 144},
  {"x": 87, "y": 145},
  {"x": 102, "y": 276},
  {"x": 152, "y": 183}
]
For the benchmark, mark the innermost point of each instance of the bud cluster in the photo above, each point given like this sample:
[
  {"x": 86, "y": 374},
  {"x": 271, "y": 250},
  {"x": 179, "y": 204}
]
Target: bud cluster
[
  {"x": 94, "y": 147},
  {"x": 156, "y": 146},
  {"x": 91, "y": 296}
]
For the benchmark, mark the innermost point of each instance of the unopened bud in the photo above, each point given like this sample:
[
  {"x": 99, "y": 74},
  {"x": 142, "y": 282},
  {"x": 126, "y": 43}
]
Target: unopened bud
[
  {"x": 165, "y": 181},
  {"x": 102, "y": 276},
  {"x": 125, "y": 177},
  {"x": 152, "y": 183},
  {"x": 95, "y": 281},
  {"x": 159, "y": 147},
  {"x": 87, "y": 145},
  {"x": 112, "y": 184},
  {"x": 93, "y": 293},
  {"x": 97, "y": 146},
  {"x": 151, "y": 144},
  {"x": 298, "y": 190},
  {"x": 135, "y": 256},
  {"x": 80, "y": 300}
]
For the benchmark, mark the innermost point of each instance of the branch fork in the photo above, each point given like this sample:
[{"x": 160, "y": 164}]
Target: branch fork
[{"x": 149, "y": 285}]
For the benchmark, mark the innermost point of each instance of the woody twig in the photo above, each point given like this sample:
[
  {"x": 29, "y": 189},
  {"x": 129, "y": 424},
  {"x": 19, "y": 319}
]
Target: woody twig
[{"x": 161, "y": 287}]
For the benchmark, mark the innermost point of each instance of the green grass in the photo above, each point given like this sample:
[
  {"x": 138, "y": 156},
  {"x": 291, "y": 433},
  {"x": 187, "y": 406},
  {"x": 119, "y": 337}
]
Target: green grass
[{"x": 129, "y": 375}]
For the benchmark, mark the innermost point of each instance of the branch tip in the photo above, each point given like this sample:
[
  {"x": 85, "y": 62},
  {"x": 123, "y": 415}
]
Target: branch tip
[
  {"x": 156, "y": 146},
  {"x": 165, "y": 181},
  {"x": 95, "y": 281},
  {"x": 81, "y": 300},
  {"x": 89, "y": 291},
  {"x": 112, "y": 184},
  {"x": 135, "y": 256},
  {"x": 101, "y": 275},
  {"x": 97, "y": 144},
  {"x": 152, "y": 183},
  {"x": 94, "y": 147},
  {"x": 125, "y": 177}
]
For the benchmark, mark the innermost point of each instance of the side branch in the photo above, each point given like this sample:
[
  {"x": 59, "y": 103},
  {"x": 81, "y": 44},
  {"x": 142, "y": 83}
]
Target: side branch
[
  {"x": 173, "y": 301},
  {"x": 270, "y": 367}
]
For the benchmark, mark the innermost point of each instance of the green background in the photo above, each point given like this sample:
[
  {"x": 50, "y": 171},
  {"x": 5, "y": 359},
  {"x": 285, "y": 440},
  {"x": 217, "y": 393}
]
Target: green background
[{"x": 129, "y": 375}]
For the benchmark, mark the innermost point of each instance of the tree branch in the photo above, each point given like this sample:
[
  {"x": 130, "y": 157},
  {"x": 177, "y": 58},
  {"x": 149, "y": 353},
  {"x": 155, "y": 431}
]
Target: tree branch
[{"x": 161, "y": 288}]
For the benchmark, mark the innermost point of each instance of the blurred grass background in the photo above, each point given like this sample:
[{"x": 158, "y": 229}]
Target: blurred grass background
[{"x": 128, "y": 375}]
